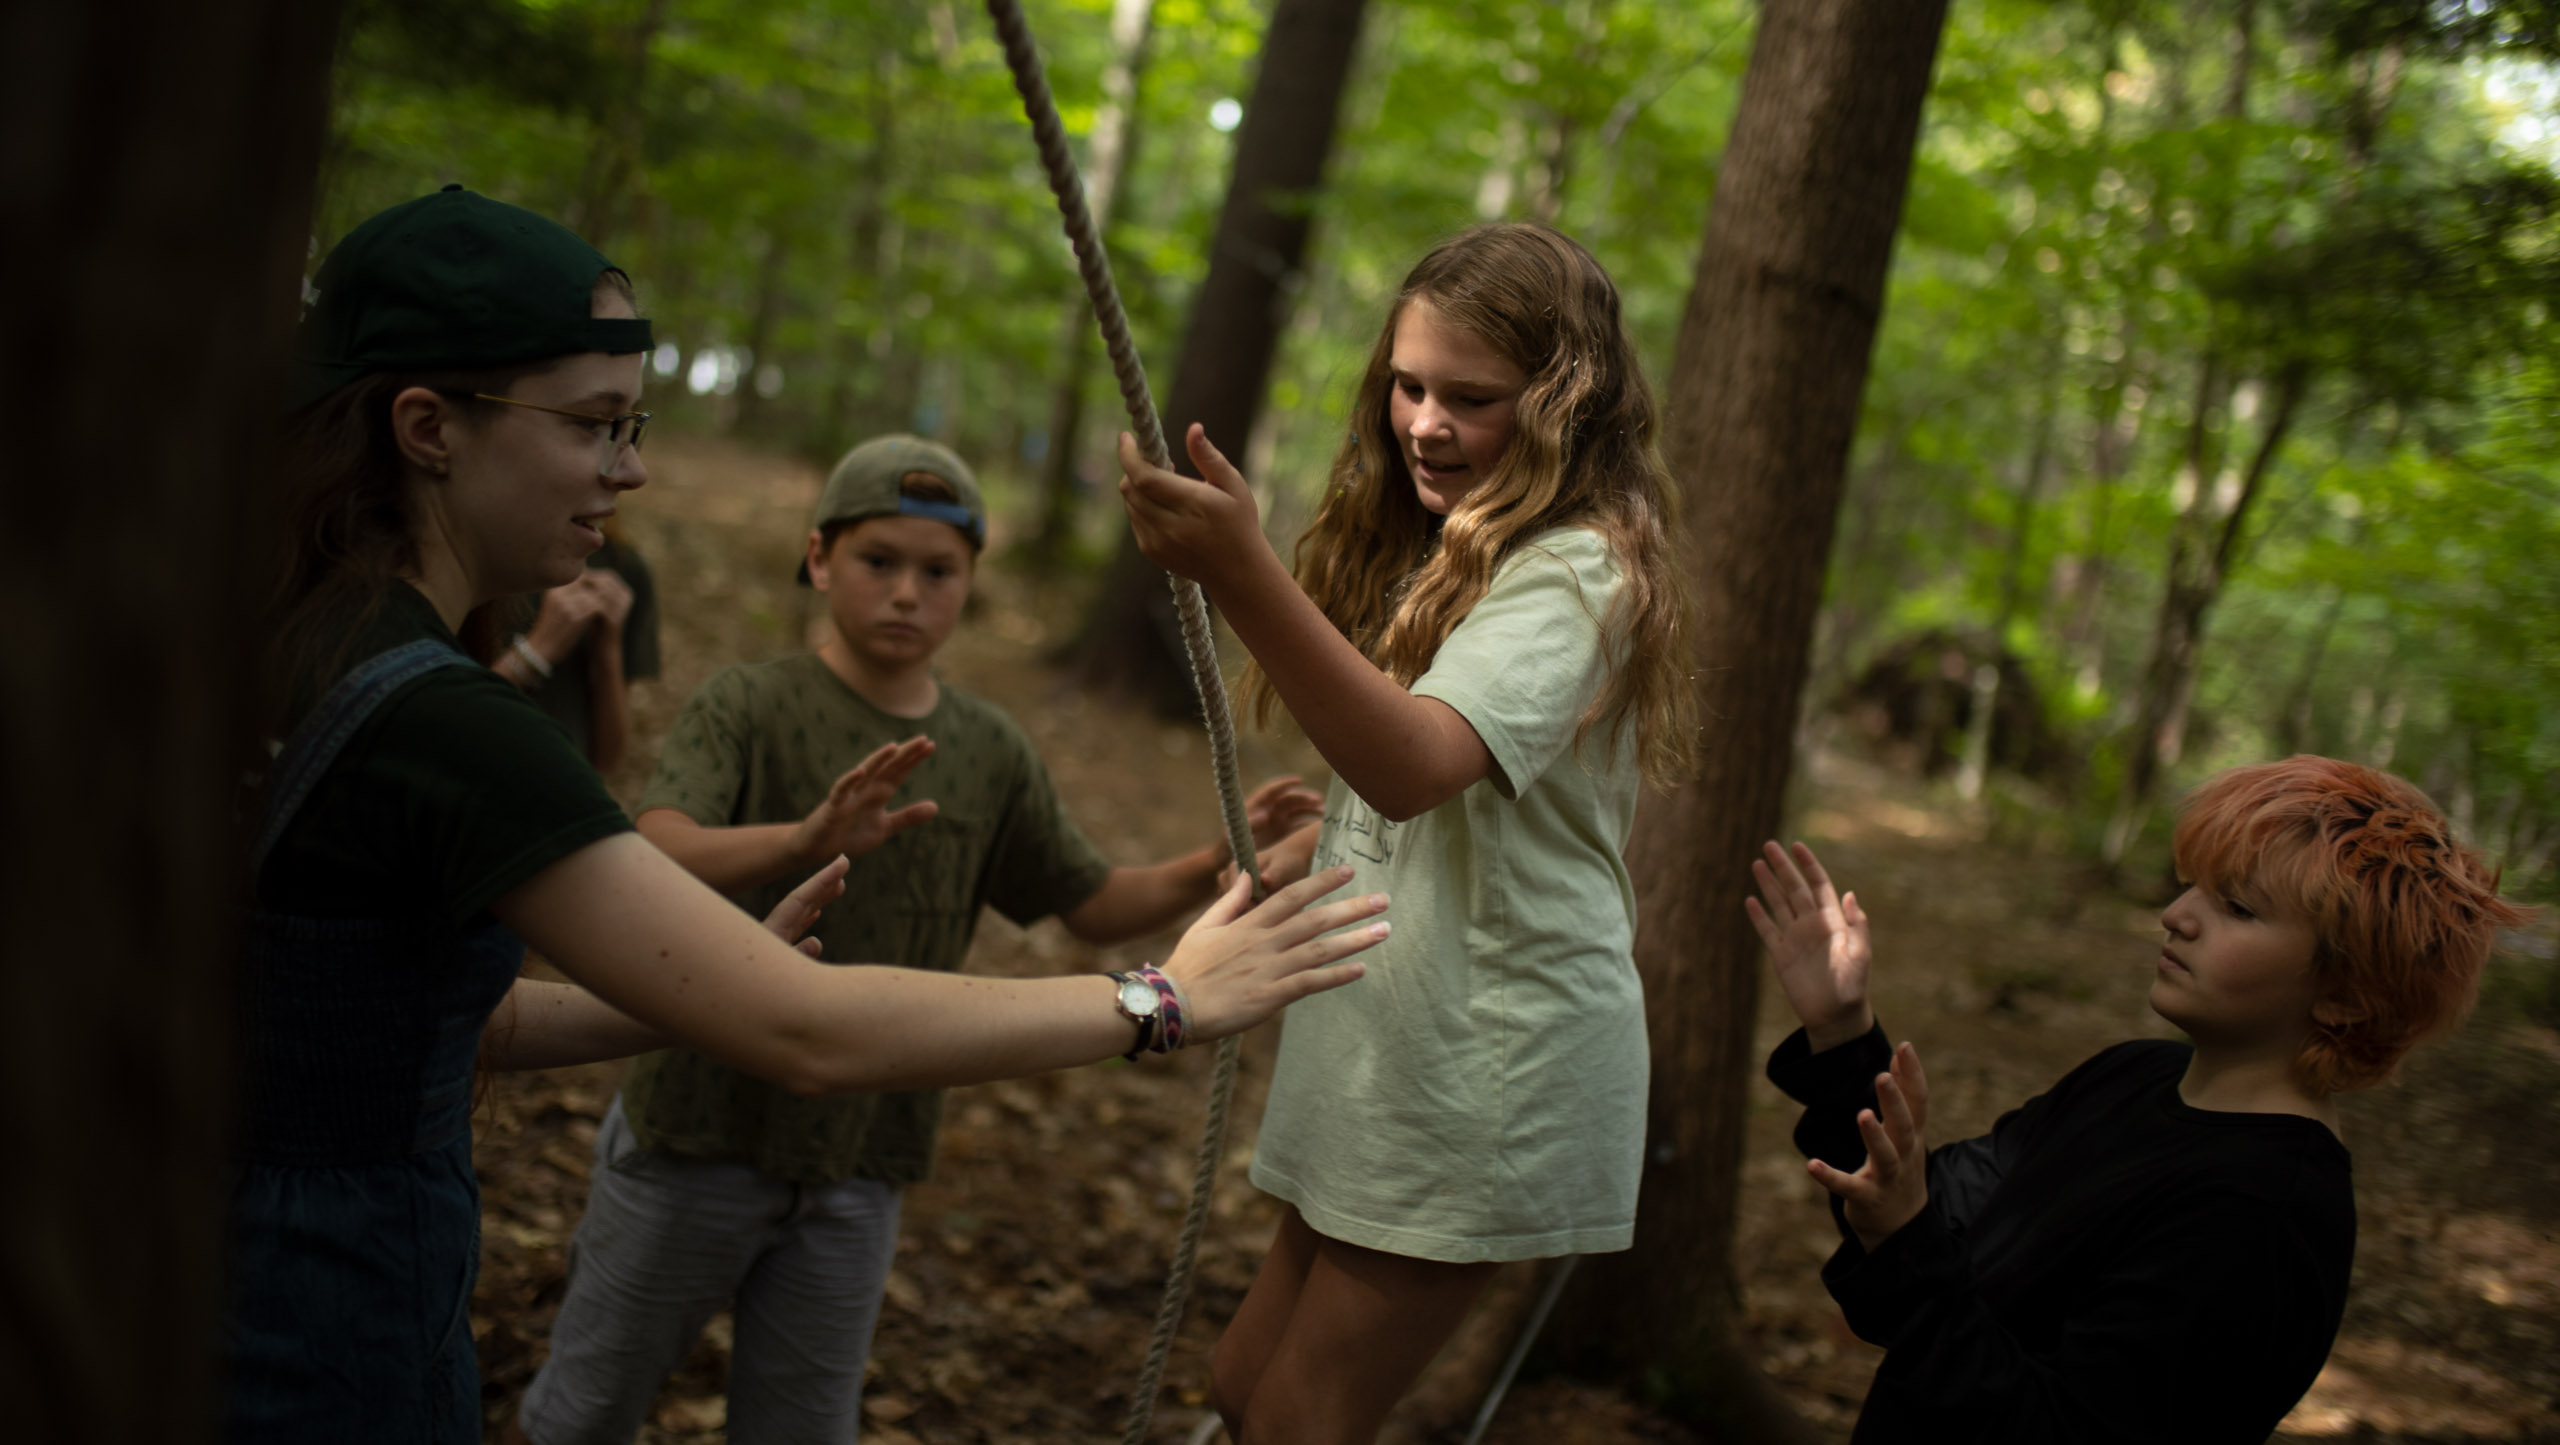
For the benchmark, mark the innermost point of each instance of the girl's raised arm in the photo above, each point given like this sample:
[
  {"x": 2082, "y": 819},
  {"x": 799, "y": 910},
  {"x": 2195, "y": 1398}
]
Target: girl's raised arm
[
  {"x": 653, "y": 941},
  {"x": 1404, "y": 755}
]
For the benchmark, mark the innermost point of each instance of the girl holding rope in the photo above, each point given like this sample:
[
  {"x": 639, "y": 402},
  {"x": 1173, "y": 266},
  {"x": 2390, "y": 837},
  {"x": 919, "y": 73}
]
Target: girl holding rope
[
  {"x": 1484, "y": 638},
  {"x": 465, "y": 418}
]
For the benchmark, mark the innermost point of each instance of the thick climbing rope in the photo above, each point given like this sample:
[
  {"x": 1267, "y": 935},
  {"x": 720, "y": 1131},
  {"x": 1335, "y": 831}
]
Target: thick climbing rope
[{"x": 1198, "y": 643}]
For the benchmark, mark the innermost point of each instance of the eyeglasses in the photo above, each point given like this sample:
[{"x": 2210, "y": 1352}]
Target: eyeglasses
[{"x": 620, "y": 431}]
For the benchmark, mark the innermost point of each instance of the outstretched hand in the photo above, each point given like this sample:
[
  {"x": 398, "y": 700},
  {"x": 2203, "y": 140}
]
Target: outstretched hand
[
  {"x": 854, "y": 818},
  {"x": 799, "y": 910},
  {"x": 1817, "y": 940},
  {"x": 1279, "y": 808},
  {"x": 1196, "y": 529},
  {"x": 1892, "y": 1187},
  {"x": 1242, "y": 962}
]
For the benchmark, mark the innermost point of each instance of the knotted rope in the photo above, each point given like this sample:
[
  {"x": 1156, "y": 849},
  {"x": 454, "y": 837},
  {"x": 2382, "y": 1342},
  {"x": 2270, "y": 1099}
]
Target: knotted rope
[{"x": 1198, "y": 643}]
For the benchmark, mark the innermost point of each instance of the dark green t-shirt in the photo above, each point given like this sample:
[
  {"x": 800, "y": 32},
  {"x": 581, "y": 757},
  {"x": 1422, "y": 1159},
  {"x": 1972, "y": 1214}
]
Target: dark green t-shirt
[
  {"x": 762, "y": 743},
  {"x": 454, "y": 791}
]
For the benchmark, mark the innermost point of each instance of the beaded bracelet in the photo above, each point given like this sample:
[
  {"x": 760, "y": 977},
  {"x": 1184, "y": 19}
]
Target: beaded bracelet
[
  {"x": 1171, "y": 1026},
  {"x": 532, "y": 656}
]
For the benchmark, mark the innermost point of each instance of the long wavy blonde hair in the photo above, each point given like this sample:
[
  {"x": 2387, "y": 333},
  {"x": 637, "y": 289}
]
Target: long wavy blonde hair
[{"x": 1581, "y": 454}]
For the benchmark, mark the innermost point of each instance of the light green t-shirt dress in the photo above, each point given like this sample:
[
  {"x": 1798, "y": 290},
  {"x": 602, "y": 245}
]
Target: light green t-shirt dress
[{"x": 1480, "y": 1095}]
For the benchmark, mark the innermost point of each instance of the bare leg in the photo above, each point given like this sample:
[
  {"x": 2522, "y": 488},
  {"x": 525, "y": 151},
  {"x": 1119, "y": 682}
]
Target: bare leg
[
  {"x": 1358, "y": 1331},
  {"x": 1235, "y": 1367}
]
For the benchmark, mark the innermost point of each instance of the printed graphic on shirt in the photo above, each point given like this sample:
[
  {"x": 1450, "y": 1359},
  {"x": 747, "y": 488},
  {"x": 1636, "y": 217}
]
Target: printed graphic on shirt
[{"x": 1358, "y": 831}]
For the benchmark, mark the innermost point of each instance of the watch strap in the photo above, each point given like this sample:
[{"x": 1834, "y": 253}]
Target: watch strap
[
  {"x": 1175, "y": 1026},
  {"x": 1149, "y": 1025}
]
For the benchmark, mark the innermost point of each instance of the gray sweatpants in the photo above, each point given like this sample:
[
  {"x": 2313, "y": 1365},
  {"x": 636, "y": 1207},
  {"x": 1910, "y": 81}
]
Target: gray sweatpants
[{"x": 667, "y": 1241}]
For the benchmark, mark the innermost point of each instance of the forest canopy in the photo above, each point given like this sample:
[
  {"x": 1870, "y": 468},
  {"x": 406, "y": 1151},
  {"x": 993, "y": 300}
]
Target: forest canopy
[{"x": 2211, "y": 418}]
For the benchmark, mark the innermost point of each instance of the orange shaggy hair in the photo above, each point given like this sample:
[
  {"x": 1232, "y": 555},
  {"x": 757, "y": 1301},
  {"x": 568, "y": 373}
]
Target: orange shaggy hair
[{"x": 2404, "y": 915}]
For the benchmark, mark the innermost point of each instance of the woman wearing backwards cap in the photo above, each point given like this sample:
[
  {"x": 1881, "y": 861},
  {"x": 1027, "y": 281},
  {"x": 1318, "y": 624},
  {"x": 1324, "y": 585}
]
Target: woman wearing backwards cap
[{"x": 464, "y": 418}]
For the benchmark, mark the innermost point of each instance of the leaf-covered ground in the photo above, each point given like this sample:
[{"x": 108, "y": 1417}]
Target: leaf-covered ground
[{"x": 1029, "y": 1265}]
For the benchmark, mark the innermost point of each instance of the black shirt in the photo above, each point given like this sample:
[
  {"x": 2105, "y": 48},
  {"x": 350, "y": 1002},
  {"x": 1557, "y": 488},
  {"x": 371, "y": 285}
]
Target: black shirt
[
  {"x": 454, "y": 791},
  {"x": 2108, "y": 1264}
]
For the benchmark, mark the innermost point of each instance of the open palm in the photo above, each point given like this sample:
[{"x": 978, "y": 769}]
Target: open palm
[{"x": 1817, "y": 939}]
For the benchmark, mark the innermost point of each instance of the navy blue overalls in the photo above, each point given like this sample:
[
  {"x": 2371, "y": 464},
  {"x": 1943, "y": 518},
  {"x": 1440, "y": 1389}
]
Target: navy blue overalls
[{"x": 355, "y": 1221}]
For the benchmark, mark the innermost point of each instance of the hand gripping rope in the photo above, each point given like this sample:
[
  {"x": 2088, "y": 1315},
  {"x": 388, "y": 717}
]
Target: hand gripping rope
[{"x": 1197, "y": 641}]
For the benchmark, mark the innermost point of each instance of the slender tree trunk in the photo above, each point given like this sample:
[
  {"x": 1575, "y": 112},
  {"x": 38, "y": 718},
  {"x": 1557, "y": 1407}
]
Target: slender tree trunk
[
  {"x": 1763, "y": 403},
  {"x": 874, "y": 244},
  {"x": 2200, "y": 558},
  {"x": 1985, "y": 697},
  {"x": 604, "y": 200},
  {"x": 771, "y": 297},
  {"x": 1106, "y": 159},
  {"x": 155, "y": 206},
  {"x": 2292, "y": 728},
  {"x": 1130, "y": 645}
]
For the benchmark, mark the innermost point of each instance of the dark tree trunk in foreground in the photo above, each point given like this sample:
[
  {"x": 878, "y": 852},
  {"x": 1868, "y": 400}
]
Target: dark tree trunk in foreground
[
  {"x": 155, "y": 198},
  {"x": 1130, "y": 645},
  {"x": 1763, "y": 403}
]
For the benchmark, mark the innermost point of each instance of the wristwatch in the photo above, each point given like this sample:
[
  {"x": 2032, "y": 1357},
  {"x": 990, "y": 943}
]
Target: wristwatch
[{"x": 1139, "y": 1002}]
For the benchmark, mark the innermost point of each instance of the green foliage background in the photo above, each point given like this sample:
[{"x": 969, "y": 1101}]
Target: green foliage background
[{"x": 2106, "y": 271}]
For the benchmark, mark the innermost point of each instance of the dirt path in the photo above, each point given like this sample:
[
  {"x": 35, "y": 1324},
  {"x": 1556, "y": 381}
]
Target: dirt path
[{"x": 1029, "y": 1265}]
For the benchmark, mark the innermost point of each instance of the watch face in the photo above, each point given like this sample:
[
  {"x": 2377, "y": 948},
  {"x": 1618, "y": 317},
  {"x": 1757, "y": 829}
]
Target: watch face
[{"x": 1138, "y": 998}]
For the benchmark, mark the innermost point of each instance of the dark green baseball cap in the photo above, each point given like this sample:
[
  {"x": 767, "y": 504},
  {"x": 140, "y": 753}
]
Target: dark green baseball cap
[
  {"x": 453, "y": 280},
  {"x": 867, "y": 483}
]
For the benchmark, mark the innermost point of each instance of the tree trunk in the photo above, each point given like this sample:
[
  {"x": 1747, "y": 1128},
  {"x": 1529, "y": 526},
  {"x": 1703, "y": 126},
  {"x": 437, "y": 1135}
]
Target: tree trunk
[
  {"x": 1763, "y": 404},
  {"x": 875, "y": 247},
  {"x": 2201, "y": 552},
  {"x": 1106, "y": 158},
  {"x": 156, "y": 208},
  {"x": 603, "y": 203},
  {"x": 1130, "y": 645},
  {"x": 771, "y": 297}
]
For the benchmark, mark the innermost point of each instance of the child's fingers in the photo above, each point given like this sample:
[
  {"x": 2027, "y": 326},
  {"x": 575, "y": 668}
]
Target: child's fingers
[
  {"x": 1915, "y": 1084},
  {"x": 1772, "y": 891},
  {"x": 1849, "y": 909},
  {"x": 1893, "y": 1107},
  {"x": 811, "y": 947},
  {"x": 1854, "y": 1188},
  {"x": 1883, "y": 1159},
  {"x": 1275, "y": 787},
  {"x": 903, "y": 759},
  {"x": 1790, "y": 876},
  {"x": 1156, "y": 486},
  {"x": 1213, "y": 464},
  {"x": 1770, "y": 938},
  {"x": 892, "y": 824},
  {"x": 1817, "y": 881}
]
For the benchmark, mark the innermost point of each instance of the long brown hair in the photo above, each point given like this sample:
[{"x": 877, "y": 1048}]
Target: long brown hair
[
  {"x": 1581, "y": 454},
  {"x": 349, "y": 534}
]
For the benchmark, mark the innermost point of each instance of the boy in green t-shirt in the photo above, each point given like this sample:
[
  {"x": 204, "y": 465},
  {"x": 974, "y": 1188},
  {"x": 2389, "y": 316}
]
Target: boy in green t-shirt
[{"x": 711, "y": 1186}]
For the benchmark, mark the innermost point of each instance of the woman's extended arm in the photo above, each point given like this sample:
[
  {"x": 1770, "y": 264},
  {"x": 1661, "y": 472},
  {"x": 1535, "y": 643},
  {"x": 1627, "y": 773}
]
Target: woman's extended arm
[
  {"x": 1404, "y": 755},
  {"x": 541, "y": 1025},
  {"x": 623, "y": 919}
]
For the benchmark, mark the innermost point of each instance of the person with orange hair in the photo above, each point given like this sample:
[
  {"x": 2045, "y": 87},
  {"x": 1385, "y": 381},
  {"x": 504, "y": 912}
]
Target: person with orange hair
[{"x": 2157, "y": 1248}]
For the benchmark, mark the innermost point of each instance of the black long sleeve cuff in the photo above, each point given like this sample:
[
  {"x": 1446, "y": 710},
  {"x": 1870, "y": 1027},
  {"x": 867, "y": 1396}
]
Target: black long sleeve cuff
[
  {"x": 1879, "y": 1292},
  {"x": 1833, "y": 1086}
]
